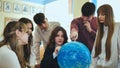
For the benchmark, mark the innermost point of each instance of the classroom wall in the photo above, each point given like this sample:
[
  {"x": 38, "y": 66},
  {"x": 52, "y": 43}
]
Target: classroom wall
[
  {"x": 115, "y": 6},
  {"x": 77, "y": 4},
  {"x": 11, "y": 14}
]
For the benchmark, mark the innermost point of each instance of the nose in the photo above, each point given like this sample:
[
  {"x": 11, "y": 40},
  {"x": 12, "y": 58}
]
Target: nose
[{"x": 60, "y": 37}]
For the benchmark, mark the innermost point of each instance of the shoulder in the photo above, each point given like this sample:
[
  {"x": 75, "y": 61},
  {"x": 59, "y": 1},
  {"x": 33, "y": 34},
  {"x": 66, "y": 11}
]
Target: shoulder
[
  {"x": 117, "y": 24},
  {"x": 117, "y": 27},
  {"x": 53, "y": 24},
  {"x": 9, "y": 57},
  {"x": 76, "y": 20},
  {"x": 5, "y": 52}
]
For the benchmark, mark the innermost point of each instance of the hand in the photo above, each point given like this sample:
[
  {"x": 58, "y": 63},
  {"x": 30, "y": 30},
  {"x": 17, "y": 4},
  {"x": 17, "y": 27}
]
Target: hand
[
  {"x": 74, "y": 35},
  {"x": 37, "y": 66},
  {"x": 87, "y": 25},
  {"x": 57, "y": 49}
]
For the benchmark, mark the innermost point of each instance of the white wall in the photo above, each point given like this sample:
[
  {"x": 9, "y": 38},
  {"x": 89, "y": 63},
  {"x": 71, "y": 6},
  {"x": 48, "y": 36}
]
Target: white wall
[
  {"x": 115, "y": 5},
  {"x": 58, "y": 11},
  {"x": 14, "y": 15}
]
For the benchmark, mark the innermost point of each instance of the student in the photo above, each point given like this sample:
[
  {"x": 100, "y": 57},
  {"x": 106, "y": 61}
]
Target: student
[
  {"x": 106, "y": 48},
  {"x": 42, "y": 32},
  {"x": 28, "y": 49},
  {"x": 57, "y": 39},
  {"x": 83, "y": 29},
  {"x": 11, "y": 47}
]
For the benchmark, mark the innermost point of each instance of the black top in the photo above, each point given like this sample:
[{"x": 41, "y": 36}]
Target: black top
[{"x": 48, "y": 61}]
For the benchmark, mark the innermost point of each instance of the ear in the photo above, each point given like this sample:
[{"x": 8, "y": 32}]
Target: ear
[{"x": 18, "y": 33}]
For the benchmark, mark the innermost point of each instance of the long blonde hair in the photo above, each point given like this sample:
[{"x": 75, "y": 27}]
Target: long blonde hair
[
  {"x": 109, "y": 21},
  {"x": 11, "y": 39}
]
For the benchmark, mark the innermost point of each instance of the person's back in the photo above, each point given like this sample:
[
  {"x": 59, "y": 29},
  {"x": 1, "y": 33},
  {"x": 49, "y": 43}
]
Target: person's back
[{"x": 83, "y": 29}]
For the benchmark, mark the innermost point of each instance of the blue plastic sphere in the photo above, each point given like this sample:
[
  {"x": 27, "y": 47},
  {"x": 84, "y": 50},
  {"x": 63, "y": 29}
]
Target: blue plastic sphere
[{"x": 74, "y": 55}]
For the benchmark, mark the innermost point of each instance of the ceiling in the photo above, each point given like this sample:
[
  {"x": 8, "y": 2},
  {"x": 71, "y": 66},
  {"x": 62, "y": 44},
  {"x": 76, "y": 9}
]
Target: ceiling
[{"x": 43, "y": 2}]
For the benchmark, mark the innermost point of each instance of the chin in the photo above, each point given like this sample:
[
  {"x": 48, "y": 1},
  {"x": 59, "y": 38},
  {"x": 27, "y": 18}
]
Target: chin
[{"x": 101, "y": 21}]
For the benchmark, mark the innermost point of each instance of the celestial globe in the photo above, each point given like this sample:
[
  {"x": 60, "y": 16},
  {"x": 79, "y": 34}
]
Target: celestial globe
[{"x": 74, "y": 55}]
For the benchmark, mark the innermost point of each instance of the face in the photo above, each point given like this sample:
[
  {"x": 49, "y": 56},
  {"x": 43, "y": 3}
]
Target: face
[
  {"x": 43, "y": 26},
  {"x": 23, "y": 37},
  {"x": 59, "y": 39},
  {"x": 29, "y": 26},
  {"x": 101, "y": 17}
]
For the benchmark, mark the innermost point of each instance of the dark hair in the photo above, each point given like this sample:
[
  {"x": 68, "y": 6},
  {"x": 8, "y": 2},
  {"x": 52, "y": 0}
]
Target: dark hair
[
  {"x": 26, "y": 20},
  {"x": 27, "y": 47},
  {"x": 54, "y": 34},
  {"x": 39, "y": 18},
  {"x": 88, "y": 9}
]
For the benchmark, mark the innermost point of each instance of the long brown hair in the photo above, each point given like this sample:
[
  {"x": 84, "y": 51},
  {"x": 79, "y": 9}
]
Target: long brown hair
[
  {"x": 27, "y": 47},
  {"x": 10, "y": 38},
  {"x": 109, "y": 21}
]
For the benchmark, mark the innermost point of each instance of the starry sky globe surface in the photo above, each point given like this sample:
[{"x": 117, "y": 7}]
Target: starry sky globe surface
[{"x": 74, "y": 55}]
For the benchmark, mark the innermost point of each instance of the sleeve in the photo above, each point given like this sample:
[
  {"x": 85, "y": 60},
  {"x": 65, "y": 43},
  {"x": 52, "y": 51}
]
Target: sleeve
[
  {"x": 74, "y": 30},
  {"x": 94, "y": 28},
  {"x": 10, "y": 60},
  {"x": 57, "y": 24},
  {"x": 54, "y": 55},
  {"x": 36, "y": 44},
  {"x": 93, "y": 60},
  {"x": 74, "y": 25},
  {"x": 48, "y": 60},
  {"x": 119, "y": 46},
  {"x": 32, "y": 57}
]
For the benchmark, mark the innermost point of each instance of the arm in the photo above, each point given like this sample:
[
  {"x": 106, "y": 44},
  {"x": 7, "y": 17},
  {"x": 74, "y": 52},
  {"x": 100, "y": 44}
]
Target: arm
[
  {"x": 118, "y": 42},
  {"x": 93, "y": 60},
  {"x": 47, "y": 60},
  {"x": 56, "y": 24},
  {"x": 91, "y": 27},
  {"x": 36, "y": 45},
  {"x": 94, "y": 28},
  {"x": 74, "y": 30},
  {"x": 55, "y": 53},
  {"x": 32, "y": 58}
]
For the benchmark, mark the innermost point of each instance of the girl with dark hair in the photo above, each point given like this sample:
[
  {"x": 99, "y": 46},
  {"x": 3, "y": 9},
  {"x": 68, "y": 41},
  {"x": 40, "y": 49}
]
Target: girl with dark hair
[{"x": 57, "y": 39}]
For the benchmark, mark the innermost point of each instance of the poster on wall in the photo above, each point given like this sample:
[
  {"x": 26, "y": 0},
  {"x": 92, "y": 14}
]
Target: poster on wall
[
  {"x": 8, "y": 19},
  {"x": 25, "y": 9},
  {"x": 33, "y": 10},
  {"x": 7, "y": 6},
  {"x": 16, "y": 8}
]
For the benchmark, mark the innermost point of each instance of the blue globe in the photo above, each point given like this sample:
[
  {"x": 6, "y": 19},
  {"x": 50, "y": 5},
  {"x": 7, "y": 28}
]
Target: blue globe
[{"x": 74, "y": 55}]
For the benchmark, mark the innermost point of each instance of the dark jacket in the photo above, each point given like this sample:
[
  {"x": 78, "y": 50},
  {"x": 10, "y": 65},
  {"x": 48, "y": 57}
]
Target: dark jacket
[{"x": 48, "y": 61}]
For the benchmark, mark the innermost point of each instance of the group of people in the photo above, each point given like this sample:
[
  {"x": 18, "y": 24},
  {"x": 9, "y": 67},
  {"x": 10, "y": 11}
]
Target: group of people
[{"x": 20, "y": 49}]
